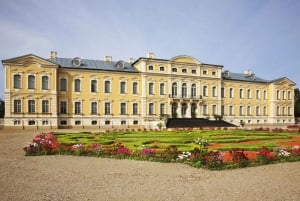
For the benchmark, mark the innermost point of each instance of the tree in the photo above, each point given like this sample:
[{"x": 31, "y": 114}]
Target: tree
[
  {"x": 2, "y": 108},
  {"x": 297, "y": 103}
]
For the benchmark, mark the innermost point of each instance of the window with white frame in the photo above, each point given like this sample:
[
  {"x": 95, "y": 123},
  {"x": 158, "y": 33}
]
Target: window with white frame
[
  {"x": 283, "y": 95},
  {"x": 265, "y": 95},
  {"x": 249, "y": 93},
  {"x": 31, "y": 82},
  {"x": 249, "y": 111},
  {"x": 45, "y": 82},
  {"x": 265, "y": 110},
  {"x": 162, "y": 68},
  {"x": 63, "y": 84},
  {"x": 241, "y": 93},
  {"x": 205, "y": 92},
  {"x": 214, "y": 109},
  {"x": 17, "y": 106},
  {"x": 31, "y": 122},
  {"x": 107, "y": 122},
  {"x": 241, "y": 110},
  {"x": 231, "y": 94},
  {"x": 107, "y": 108},
  {"x": 77, "y": 108},
  {"x": 45, "y": 106},
  {"x": 162, "y": 88},
  {"x": 77, "y": 85},
  {"x": 231, "y": 113},
  {"x": 194, "y": 71},
  {"x": 135, "y": 109},
  {"x": 123, "y": 108},
  {"x": 31, "y": 106},
  {"x": 45, "y": 122},
  {"x": 257, "y": 94},
  {"x": 194, "y": 91},
  {"x": 94, "y": 84},
  {"x": 94, "y": 107},
  {"x": 222, "y": 109},
  {"x": 17, "y": 81},
  {"x": 205, "y": 72},
  {"x": 214, "y": 91},
  {"x": 94, "y": 122},
  {"x": 257, "y": 111},
  {"x": 63, "y": 107},
  {"x": 107, "y": 86},
  {"x": 184, "y": 70},
  {"x": 123, "y": 122},
  {"x": 174, "y": 70},
  {"x": 162, "y": 108},
  {"x": 151, "y": 88},
  {"x": 17, "y": 122},
  {"x": 289, "y": 95},
  {"x": 122, "y": 87},
  {"x": 184, "y": 90},
  {"x": 135, "y": 88},
  {"x": 150, "y": 68},
  {"x": 174, "y": 89},
  {"x": 277, "y": 95},
  {"x": 278, "y": 110},
  {"x": 222, "y": 92},
  {"x": 151, "y": 108},
  {"x": 205, "y": 110}
]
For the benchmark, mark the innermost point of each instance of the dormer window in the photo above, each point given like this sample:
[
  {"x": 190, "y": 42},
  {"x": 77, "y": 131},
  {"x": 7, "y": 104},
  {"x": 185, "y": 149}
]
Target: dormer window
[
  {"x": 120, "y": 64},
  {"x": 150, "y": 67},
  {"x": 76, "y": 62}
]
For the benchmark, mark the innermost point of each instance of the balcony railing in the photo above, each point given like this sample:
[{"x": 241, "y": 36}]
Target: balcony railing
[{"x": 180, "y": 96}]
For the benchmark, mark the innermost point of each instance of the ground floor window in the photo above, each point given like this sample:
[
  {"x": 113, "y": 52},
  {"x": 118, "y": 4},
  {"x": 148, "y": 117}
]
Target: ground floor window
[
  {"x": 123, "y": 122},
  {"x": 17, "y": 122},
  {"x": 135, "y": 122},
  {"x": 45, "y": 122},
  {"x": 63, "y": 122},
  {"x": 77, "y": 122},
  {"x": 107, "y": 122},
  {"x": 31, "y": 122},
  {"x": 94, "y": 122}
]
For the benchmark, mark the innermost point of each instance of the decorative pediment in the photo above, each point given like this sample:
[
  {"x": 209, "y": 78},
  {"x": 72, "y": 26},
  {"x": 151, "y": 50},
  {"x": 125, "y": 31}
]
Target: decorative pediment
[
  {"x": 284, "y": 81},
  {"x": 28, "y": 60},
  {"x": 185, "y": 59}
]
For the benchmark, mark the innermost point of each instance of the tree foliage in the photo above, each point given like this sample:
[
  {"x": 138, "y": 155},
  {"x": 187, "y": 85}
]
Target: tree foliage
[
  {"x": 297, "y": 103},
  {"x": 2, "y": 108}
]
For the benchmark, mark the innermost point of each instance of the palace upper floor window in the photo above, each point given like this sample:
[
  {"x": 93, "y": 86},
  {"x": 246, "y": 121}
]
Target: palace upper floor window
[
  {"x": 162, "y": 88},
  {"x": 174, "y": 89},
  {"x": 214, "y": 91},
  {"x": 174, "y": 70},
  {"x": 231, "y": 94},
  {"x": 184, "y": 70},
  {"x": 151, "y": 88},
  {"x": 31, "y": 82},
  {"x": 31, "y": 106},
  {"x": 249, "y": 93},
  {"x": 214, "y": 73},
  {"x": 94, "y": 107},
  {"x": 63, "y": 84},
  {"x": 150, "y": 68},
  {"x": 204, "y": 72},
  {"x": 135, "y": 88},
  {"x": 205, "y": 91},
  {"x": 122, "y": 87},
  {"x": 123, "y": 109},
  {"x": 63, "y": 107},
  {"x": 193, "y": 91},
  {"x": 135, "y": 108},
  {"x": 94, "y": 84},
  {"x": 17, "y": 81},
  {"x": 194, "y": 71},
  {"x": 77, "y": 85},
  {"x": 107, "y": 108},
  {"x": 162, "y": 68},
  {"x": 241, "y": 93},
  {"x": 77, "y": 108},
  {"x": 45, "y": 106},
  {"x": 17, "y": 106},
  {"x": 107, "y": 86},
  {"x": 45, "y": 82}
]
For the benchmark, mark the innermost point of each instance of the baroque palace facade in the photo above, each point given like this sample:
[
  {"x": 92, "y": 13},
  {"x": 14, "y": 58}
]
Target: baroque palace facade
[{"x": 80, "y": 93}]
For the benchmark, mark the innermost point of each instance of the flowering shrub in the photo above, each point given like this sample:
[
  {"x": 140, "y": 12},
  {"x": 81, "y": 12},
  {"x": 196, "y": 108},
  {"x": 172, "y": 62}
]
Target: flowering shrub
[
  {"x": 296, "y": 150},
  {"x": 214, "y": 160},
  {"x": 77, "y": 147},
  {"x": 264, "y": 155},
  {"x": 148, "y": 151},
  {"x": 43, "y": 143},
  {"x": 123, "y": 151},
  {"x": 202, "y": 142},
  {"x": 238, "y": 157},
  {"x": 184, "y": 155}
]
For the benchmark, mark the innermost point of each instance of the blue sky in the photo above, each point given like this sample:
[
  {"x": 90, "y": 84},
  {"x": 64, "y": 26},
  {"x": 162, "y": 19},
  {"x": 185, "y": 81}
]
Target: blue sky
[{"x": 260, "y": 35}]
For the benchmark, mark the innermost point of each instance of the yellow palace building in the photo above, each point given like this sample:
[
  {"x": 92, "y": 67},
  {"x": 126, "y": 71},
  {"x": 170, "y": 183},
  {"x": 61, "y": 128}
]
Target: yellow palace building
[{"x": 60, "y": 92}]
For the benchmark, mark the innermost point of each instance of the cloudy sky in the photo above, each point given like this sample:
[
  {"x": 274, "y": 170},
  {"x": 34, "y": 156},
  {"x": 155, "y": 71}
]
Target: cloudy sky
[{"x": 260, "y": 35}]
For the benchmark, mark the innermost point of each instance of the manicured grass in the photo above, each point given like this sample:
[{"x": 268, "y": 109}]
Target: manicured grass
[{"x": 182, "y": 139}]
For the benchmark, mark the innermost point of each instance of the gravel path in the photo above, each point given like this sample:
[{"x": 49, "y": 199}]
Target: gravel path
[{"x": 87, "y": 178}]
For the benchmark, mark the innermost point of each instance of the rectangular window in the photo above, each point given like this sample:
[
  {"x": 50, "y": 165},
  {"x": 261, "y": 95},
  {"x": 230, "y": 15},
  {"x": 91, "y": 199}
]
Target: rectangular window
[
  {"x": 94, "y": 86},
  {"x": 77, "y": 108},
  {"x": 123, "y": 108},
  {"x": 257, "y": 111},
  {"x": 265, "y": 111},
  {"x": 241, "y": 112},
  {"x": 241, "y": 93},
  {"x": 77, "y": 87},
  {"x": 214, "y": 109},
  {"x": 162, "y": 89},
  {"x": 249, "y": 94},
  {"x": 231, "y": 93},
  {"x": 17, "y": 106},
  {"x": 63, "y": 84},
  {"x": 31, "y": 106},
  {"x": 205, "y": 93},
  {"x": 63, "y": 107},
  {"x": 265, "y": 95},
  {"x": 249, "y": 110},
  {"x": 94, "y": 108},
  {"x": 223, "y": 92},
  {"x": 223, "y": 110},
  {"x": 277, "y": 95},
  {"x": 123, "y": 87},
  {"x": 107, "y": 108},
  {"x": 17, "y": 81},
  {"x": 45, "y": 82},
  {"x": 151, "y": 88},
  {"x": 31, "y": 82},
  {"x": 135, "y": 108},
  {"x": 162, "y": 68},
  {"x": 45, "y": 106},
  {"x": 289, "y": 95},
  {"x": 151, "y": 108},
  {"x": 135, "y": 88},
  {"x": 231, "y": 110},
  {"x": 214, "y": 91},
  {"x": 257, "y": 94},
  {"x": 107, "y": 87},
  {"x": 162, "y": 108}
]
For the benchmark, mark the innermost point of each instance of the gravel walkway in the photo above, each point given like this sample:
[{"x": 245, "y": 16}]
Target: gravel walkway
[{"x": 87, "y": 178}]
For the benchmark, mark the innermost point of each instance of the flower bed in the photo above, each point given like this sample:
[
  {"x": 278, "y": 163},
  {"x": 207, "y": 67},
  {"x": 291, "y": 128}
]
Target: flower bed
[{"x": 46, "y": 143}]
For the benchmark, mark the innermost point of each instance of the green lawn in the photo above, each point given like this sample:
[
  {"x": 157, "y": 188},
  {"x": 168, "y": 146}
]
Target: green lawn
[{"x": 183, "y": 140}]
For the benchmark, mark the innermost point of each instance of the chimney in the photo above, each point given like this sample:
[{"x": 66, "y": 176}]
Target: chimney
[
  {"x": 108, "y": 59},
  {"x": 247, "y": 72},
  {"x": 53, "y": 55},
  {"x": 151, "y": 55},
  {"x": 131, "y": 60}
]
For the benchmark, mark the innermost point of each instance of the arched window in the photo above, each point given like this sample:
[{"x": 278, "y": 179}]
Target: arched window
[
  {"x": 162, "y": 88},
  {"x": 174, "y": 89},
  {"x": 135, "y": 108},
  {"x": 94, "y": 86}
]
